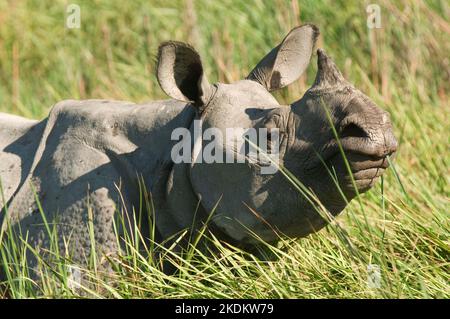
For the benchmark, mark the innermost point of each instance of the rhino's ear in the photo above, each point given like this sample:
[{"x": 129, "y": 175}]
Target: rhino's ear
[
  {"x": 180, "y": 73},
  {"x": 286, "y": 62}
]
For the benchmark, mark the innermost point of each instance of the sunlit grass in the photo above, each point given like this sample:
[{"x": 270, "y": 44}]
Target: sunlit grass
[{"x": 401, "y": 225}]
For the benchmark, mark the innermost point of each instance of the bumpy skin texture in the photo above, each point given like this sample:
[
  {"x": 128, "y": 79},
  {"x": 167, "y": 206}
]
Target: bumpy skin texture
[
  {"x": 86, "y": 151},
  {"x": 19, "y": 139}
]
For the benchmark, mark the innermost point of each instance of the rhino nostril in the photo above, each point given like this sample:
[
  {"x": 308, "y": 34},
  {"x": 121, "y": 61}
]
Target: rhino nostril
[
  {"x": 391, "y": 144},
  {"x": 353, "y": 130}
]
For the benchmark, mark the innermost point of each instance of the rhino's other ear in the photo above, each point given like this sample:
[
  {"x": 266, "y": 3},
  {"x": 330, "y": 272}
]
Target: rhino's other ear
[
  {"x": 180, "y": 73},
  {"x": 286, "y": 62}
]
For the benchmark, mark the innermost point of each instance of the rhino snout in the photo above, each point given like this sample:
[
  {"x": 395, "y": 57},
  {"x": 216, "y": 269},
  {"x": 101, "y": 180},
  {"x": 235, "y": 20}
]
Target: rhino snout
[{"x": 372, "y": 138}]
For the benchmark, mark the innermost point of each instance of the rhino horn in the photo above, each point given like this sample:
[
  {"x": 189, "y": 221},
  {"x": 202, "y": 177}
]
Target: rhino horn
[{"x": 328, "y": 76}]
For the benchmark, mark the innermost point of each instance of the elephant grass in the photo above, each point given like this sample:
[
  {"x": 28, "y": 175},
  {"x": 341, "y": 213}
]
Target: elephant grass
[{"x": 401, "y": 225}]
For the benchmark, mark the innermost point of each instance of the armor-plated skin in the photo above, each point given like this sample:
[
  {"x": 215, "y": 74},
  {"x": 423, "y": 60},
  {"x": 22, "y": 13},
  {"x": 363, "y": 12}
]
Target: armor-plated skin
[{"x": 86, "y": 151}]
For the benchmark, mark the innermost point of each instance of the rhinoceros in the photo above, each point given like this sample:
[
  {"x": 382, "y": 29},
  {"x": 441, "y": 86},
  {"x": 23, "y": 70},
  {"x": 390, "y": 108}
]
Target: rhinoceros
[{"x": 89, "y": 159}]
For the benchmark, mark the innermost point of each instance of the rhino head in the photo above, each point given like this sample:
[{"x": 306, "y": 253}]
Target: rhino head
[
  {"x": 364, "y": 132},
  {"x": 246, "y": 202}
]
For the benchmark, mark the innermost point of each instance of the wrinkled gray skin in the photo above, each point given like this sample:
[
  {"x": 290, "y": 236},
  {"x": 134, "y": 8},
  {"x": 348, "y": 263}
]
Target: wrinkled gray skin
[{"x": 85, "y": 151}]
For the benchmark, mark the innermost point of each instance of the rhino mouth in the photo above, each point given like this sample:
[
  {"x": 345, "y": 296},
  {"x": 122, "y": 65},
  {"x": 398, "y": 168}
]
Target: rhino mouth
[
  {"x": 365, "y": 169},
  {"x": 366, "y": 162}
]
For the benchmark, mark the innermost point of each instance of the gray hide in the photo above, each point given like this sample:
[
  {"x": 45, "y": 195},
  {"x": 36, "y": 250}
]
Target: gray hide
[{"x": 84, "y": 159}]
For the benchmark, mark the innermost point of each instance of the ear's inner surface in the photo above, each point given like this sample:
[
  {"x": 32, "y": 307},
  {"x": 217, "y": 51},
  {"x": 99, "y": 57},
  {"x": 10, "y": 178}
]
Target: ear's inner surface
[
  {"x": 190, "y": 82},
  {"x": 180, "y": 72},
  {"x": 285, "y": 63}
]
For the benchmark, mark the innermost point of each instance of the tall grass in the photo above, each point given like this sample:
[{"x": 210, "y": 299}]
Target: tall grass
[{"x": 401, "y": 225}]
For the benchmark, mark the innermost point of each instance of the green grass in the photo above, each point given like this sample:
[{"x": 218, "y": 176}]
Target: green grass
[{"x": 401, "y": 225}]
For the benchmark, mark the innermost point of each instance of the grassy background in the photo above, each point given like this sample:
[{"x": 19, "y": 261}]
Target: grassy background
[{"x": 402, "y": 224}]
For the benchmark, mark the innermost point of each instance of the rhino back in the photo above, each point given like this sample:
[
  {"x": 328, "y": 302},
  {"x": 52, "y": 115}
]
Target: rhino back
[{"x": 138, "y": 134}]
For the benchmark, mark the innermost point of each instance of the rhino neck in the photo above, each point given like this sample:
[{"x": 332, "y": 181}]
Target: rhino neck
[
  {"x": 182, "y": 206},
  {"x": 183, "y": 210},
  {"x": 175, "y": 203}
]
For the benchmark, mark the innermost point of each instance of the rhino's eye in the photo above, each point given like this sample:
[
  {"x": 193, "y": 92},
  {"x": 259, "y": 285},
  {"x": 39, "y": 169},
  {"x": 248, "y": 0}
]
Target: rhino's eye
[
  {"x": 275, "y": 122},
  {"x": 276, "y": 131}
]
